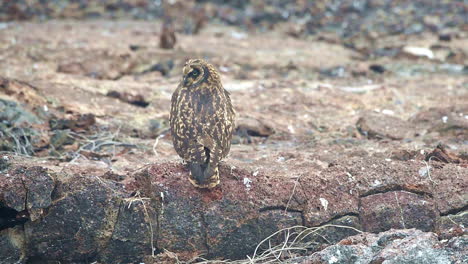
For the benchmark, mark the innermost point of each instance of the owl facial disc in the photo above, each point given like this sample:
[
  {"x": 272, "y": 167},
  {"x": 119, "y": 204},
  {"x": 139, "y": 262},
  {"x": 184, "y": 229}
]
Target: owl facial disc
[{"x": 194, "y": 73}]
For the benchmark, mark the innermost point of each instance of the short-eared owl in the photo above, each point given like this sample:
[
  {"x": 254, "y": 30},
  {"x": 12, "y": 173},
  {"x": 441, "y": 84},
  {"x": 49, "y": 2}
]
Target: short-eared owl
[{"x": 202, "y": 122}]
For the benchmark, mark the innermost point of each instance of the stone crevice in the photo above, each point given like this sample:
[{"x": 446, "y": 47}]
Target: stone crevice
[
  {"x": 8, "y": 218},
  {"x": 205, "y": 227},
  {"x": 159, "y": 211},
  {"x": 337, "y": 217},
  {"x": 394, "y": 188},
  {"x": 283, "y": 209},
  {"x": 26, "y": 189},
  {"x": 279, "y": 208},
  {"x": 455, "y": 211},
  {"x": 112, "y": 226}
]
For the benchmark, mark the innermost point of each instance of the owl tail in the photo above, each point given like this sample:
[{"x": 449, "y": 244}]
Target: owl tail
[{"x": 203, "y": 175}]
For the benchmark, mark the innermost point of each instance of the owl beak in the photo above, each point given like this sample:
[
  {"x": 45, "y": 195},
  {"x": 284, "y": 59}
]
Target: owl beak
[{"x": 185, "y": 72}]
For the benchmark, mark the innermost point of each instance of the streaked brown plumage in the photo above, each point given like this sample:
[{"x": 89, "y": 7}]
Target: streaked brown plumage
[{"x": 202, "y": 122}]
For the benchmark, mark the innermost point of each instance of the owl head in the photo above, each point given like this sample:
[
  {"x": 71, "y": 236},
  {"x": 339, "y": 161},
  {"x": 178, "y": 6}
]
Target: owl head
[{"x": 198, "y": 71}]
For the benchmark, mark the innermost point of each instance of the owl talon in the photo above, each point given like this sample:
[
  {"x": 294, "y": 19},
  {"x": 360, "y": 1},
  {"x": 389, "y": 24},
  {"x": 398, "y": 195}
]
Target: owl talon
[{"x": 211, "y": 184}]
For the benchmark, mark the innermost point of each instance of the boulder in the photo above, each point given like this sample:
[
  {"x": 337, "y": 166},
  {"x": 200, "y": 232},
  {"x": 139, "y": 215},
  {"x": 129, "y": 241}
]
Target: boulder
[{"x": 393, "y": 246}]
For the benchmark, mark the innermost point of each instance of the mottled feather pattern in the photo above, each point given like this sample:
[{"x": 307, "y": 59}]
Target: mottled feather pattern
[{"x": 202, "y": 122}]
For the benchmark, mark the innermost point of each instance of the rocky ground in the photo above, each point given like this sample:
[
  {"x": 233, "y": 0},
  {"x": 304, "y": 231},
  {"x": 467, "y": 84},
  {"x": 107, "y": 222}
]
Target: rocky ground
[{"x": 350, "y": 153}]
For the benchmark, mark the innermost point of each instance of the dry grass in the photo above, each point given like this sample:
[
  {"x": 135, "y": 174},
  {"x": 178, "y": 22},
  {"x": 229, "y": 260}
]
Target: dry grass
[
  {"x": 23, "y": 146},
  {"x": 293, "y": 242},
  {"x": 155, "y": 145},
  {"x": 96, "y": 143},
  {"x": 142, "y": 200}
]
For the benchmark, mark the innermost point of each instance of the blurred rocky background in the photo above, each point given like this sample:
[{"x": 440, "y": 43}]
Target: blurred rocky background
[{"x": 348, "y": 19}]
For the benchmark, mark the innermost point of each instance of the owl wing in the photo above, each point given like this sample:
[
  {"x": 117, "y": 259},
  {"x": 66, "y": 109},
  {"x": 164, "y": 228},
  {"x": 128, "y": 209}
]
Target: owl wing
[
  {"x": 218, "y": 133},
  {"x": 180, "y": 118},
  {"x": 205, "y": 136},
  {"x": 229, "y": 124},
  {"x": 189, "y": 130}
]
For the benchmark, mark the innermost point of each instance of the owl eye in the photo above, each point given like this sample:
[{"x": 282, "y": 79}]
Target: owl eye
[{"x": 194, "y": 73}]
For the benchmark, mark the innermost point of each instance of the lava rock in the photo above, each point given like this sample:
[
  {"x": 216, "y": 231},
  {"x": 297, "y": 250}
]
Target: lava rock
[
  {"x": 88, "y": 218},
  {"x": 452, "y": 225},
  {"x": 377, "y": 68},
  {"x": 158, "y": 126},
  {"x": 405, "y": 155},
  {"x": 137, "y": 100},
  {"x": 334, "y": 234},
  {"x": 445, "y": 121},
  {"x": 246, "y": 236},
  {"x": 133, "y": 232},
  {"x": 335, "y": 72},
  {"x": 394, "y": 246},
  {"x": 441, "y": 154},
  {"x": 248, "y": 127},
  {"x": 399, "y": 209},
  {"x": 78, "y": 225},
  {"x": 27, "y": 189},
  {"x": 13, "y": 114},
  {"x": 11, "y": 246},
  {"x": 380, "y": 126},
  {"x": 103, "y": 65},
  {"x": 194, "y": 221},
  {"x": 78, "y": 122},
  {"x": 4, "y": 162},
  {"x": 163, "y": 67}
]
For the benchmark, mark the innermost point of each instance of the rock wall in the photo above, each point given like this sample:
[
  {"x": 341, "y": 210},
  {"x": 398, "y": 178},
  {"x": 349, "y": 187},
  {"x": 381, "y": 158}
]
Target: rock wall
[{"x": 81, "y": 218}]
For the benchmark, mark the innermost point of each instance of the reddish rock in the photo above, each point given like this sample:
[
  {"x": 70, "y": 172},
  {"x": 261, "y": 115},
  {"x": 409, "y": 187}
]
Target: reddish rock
[
  {"x": 26, "y": 189},
  {"x": 446, "y": 185},
  {"x": 194, "y": 221},
  {"x": 450, "y": 185},
  {"x": 398, "y": 210},
  {"x": 99, "y": 66},
  {"x": 441, "y": 154},
  {"x": 452, "y": 225},
  {"x": 253, "y": 127},
  {"x": 405, "y": 155},
  {"x": 13, "y": 193},
  {"x": 78, "y": 225},
  {"x": 77, "y": 122},
  {"x": 379, "y": 126},
  {"x": 98, "y": 219},
  {"x": 134, "y": 232},
  {"x": 449, "y": 121},
  {"x": 137, "y": 99}
]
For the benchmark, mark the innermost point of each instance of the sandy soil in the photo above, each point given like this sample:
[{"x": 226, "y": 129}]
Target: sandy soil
[{"x": 273, "y": 79}]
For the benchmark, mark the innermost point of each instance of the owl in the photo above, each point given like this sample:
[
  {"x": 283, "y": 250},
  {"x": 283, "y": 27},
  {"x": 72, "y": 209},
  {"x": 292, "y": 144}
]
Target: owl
[{"x": 202, "y": 122}]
